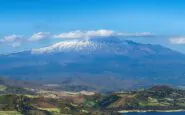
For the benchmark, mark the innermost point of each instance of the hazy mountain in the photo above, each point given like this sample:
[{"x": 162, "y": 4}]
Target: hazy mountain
[{"x": 103, "y": 63}]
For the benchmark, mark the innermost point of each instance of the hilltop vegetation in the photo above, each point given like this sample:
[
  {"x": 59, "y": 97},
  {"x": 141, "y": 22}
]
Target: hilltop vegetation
[{"x": 157, "y": 98}]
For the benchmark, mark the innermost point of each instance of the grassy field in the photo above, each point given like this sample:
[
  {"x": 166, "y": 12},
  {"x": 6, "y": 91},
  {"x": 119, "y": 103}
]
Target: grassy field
[
  {"x": 2, "y": 87},
  {"x": 53, "y": 110},
  {"x": 9, "y": 113}
]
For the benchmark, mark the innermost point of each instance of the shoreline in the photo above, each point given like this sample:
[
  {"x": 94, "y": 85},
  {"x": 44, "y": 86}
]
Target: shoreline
[{"x": 142, "y": 111}]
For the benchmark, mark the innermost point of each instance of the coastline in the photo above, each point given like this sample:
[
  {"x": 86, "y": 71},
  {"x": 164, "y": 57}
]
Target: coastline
[{"x": 142, "y": 111}]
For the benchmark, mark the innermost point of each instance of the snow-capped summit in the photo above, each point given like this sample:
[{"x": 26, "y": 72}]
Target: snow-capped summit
[
  {"x": 69, "y": 45},
  {"x": 78, "y": 45},
  {"x": 103, "y": 45}
]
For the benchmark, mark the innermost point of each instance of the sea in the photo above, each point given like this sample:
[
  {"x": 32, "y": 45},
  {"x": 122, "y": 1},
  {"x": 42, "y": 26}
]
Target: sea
[{"x": 155, "y": 113}]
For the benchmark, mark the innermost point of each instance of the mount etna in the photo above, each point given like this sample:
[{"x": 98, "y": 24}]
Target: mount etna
[{"x": 103, "y": 64}]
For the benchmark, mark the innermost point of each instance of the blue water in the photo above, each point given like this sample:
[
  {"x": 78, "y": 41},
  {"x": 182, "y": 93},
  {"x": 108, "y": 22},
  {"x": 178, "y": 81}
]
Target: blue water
[{"x": 156, "y": 113}]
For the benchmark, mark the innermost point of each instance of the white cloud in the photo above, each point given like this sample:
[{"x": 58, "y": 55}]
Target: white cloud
[
  {"x": 142, "y": 34},
  {"x": 177, "y": 40},
  {"x": 85, "y": 34},
  {"x": 12, "y": 38},
  {"x": 16, "y": 40},
  {"x": 99, "y": 33},
  {"x": 40, "y": 36}
]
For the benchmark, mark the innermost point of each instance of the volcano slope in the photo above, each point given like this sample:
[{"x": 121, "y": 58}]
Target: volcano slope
[{"x": 101, "y": 64}]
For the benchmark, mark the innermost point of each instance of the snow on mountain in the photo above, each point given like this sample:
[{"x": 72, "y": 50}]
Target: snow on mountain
[
  {"x": 76, "y": 45},
  {"x": 103, "y": 45},
  {"x": 79, "y": 45}
]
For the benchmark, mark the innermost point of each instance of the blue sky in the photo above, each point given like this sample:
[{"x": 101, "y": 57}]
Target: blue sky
[{"x": 21, "y": 19}]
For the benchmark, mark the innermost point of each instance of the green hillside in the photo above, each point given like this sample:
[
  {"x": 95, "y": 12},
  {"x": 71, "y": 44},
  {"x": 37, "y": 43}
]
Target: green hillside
[{"x": 157, "y": 98}]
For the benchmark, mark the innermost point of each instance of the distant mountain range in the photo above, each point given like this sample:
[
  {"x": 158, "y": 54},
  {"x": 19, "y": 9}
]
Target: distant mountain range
[{"x": 107, "y": 63}]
